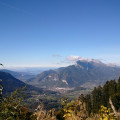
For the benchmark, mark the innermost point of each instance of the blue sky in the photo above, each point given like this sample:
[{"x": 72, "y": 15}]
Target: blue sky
[{"x": 46, "y": 32}]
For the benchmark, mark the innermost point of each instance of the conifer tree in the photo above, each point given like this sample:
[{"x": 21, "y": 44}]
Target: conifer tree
[
  {"x": 118, "y": 85},
  {"x": 105, "y": 96},
  {"x": 96, "y": 98}
]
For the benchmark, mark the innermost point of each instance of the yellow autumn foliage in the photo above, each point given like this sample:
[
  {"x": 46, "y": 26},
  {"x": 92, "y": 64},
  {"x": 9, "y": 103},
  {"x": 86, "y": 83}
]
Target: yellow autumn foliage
[{"x": 105, "y": 114}]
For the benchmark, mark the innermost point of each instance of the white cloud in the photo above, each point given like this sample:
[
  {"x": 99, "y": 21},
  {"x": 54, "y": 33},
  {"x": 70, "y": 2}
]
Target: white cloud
[
  {"x": 76, "y": 58},
  {"x": 73, "y": 58}
]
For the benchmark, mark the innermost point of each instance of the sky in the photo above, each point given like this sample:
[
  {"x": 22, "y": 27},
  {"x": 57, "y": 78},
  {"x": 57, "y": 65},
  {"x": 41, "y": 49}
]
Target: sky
[{"x": 45, "y": 33}]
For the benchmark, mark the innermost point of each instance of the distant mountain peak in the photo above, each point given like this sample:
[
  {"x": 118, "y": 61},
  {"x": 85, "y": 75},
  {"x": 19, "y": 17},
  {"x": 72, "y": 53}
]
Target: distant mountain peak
[
  {"x": 84, "y": 72},
  {"x": 86, "y": 63}
]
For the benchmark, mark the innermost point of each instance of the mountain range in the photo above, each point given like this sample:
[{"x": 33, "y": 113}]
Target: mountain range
[
  {"x": 23, "y": 76},
  {"x": 11, "y": 83},
  {"x": 84, "y": 73}
]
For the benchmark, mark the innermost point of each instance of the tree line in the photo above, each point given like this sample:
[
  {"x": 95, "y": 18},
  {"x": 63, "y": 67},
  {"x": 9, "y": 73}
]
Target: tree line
[{"x": 99, "y": 104}]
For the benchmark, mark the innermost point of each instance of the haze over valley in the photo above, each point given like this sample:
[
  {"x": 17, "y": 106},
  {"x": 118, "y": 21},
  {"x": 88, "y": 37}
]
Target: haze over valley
[{"x": 83, "y": 74}]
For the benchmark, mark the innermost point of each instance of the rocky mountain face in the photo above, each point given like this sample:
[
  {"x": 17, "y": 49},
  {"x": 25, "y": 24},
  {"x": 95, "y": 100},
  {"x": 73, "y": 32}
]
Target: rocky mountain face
[{"x": 84, "y": 73}]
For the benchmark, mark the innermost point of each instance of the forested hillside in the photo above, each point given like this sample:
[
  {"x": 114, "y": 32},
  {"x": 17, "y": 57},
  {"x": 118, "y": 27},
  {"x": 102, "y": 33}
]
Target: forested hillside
[{"x": 103, "y": 103}]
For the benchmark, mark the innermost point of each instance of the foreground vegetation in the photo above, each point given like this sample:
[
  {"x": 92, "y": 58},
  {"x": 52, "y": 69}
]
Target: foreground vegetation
[{"x": 103, "y": 103}]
